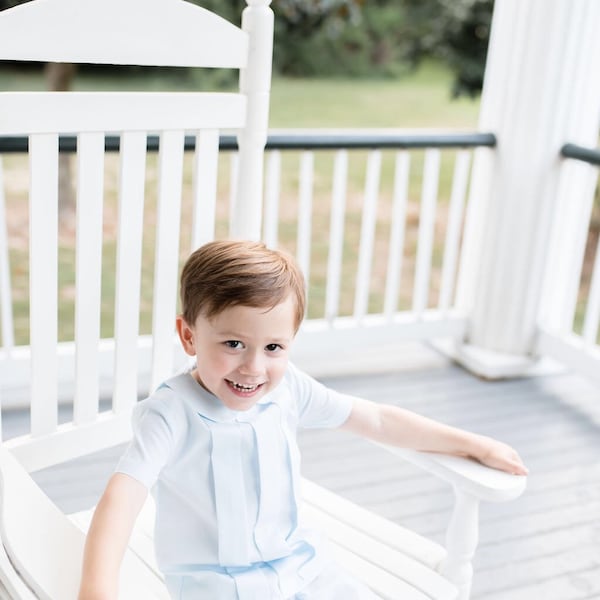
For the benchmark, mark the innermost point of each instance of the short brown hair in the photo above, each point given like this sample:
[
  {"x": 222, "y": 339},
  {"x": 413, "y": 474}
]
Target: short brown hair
[{"x": 225, "y": 273}]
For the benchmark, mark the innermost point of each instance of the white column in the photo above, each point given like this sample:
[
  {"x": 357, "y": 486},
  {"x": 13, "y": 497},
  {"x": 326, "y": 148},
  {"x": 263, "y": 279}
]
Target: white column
[
  {"x": 541, "y": 89},
  {"x": 255, "y": 83}
]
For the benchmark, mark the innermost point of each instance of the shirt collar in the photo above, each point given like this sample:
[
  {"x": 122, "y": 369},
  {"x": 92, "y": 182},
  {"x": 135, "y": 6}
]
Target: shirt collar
[{"x": 208, "y": 405}]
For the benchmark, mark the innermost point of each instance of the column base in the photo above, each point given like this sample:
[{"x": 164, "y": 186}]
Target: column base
[{"x": 489, "y": 364}]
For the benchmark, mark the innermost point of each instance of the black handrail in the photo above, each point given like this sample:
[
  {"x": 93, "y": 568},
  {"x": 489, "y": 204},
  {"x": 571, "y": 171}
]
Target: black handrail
[
  {"x": 588, "y": 155},
  {"x": 293, "y": 141}
]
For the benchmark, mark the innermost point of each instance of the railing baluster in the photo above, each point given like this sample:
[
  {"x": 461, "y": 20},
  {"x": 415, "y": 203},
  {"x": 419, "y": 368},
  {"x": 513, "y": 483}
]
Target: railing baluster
[
  {"x": 166, "y": 263},
  {"x": 129, "y": 257},
  {"x": 367, "y": 235},
  {"x": 90, "y": 196},
  {"x": 426, "y": 230},
  {"x": 397, "y": 231},
  {"x": 460, "y": 183},
  {"x": 272, "y": 191},
  {"x": 43, "y": 277},
  {"x": 336, "y": 235},
  {"x": 305, "y": 196},
  {"x": 8, "y": 336},
  {"x": 592, "y": 313},
  {"x": 204, "y": 193}
]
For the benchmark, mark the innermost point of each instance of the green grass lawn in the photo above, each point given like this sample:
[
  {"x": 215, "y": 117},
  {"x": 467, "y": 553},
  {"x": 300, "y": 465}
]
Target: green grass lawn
[{"x": 420, "y": 99}]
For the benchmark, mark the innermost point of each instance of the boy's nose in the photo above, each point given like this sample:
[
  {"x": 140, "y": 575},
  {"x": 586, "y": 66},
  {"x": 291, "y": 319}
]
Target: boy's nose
[{"x": 253, "y": 364}]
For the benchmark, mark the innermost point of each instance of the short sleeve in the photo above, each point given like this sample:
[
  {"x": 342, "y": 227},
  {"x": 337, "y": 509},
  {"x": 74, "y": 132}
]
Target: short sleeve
[
  {"x": 154, "y": 434},
  {"x": 318, "y": 405}
]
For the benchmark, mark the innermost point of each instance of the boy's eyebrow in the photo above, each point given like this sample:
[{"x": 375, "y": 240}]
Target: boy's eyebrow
[{"x": 238, "y": 335}]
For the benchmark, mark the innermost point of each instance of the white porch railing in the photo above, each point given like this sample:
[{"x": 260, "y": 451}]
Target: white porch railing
[
  {"x": 375, "y": 221},
  {"x": 569, "y": 328}
]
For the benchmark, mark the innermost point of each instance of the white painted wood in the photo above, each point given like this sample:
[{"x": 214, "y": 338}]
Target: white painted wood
[
  {"x": 431, "y": 172},
  {"x": 571, "y": 350},
  {"x": 82, "y": 112},
  {"x": 576, "y": 180},
  {"x": 462, "y": 537},
  {"x": 11, "y": 584},
  {"x": 541, "y": 90},
  {"x": 397, "y": 232},
  {"x": 206, "y": 164},
  {"x": 336, "y": 234},
  {"x": 383, "y": 584},
  {"x": 71, "y": 440},
  {"x": 90, "y": 188},
  {"x": 43, "y": 280},
  {"x": 234, "y": 167},
  {"x": 6, "y": 312},
  {"x": 578, "y": 117},
  {"x": 592, "y": 311},
  {"x": 305, "y": 200},
  {"x": 141, "y": 32},
  {"x": 455, "y": 214},
  {"x": 412, "y": 545},
  {"x": 31, "y": 527},
  {"x": 166, "y": 259},
  {"x": 128, "y": 275},
  {"x": 367, "y": 235},
  {"x": 255, "y": 85},
  {"x": 26, "y": 509},
  {"x": 342, "y": 347},
  {"x": 272, "y": 193},
  {"x": 469, "y": 476}
]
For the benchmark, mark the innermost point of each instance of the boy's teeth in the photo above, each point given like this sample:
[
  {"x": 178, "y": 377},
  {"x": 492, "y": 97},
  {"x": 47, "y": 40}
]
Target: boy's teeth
[{"x": 245, "y": 388}]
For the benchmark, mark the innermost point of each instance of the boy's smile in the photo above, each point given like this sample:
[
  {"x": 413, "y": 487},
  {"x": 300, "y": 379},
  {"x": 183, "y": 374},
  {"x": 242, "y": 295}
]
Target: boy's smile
[{"x": 241, "y": 353}]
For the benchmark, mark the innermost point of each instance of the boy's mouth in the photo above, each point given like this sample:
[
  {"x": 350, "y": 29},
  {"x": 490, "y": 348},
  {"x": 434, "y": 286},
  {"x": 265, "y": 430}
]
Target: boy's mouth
[{"x": 243, "y": 388}]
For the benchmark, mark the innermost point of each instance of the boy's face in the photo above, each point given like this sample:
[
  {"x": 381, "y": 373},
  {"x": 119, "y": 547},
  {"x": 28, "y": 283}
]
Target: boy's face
[{"x": 242, "y": 353}]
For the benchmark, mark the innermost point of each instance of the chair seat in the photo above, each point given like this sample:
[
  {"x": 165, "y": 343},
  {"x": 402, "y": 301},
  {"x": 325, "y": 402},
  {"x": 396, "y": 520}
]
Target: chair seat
[{"x": 395, "y": 562}]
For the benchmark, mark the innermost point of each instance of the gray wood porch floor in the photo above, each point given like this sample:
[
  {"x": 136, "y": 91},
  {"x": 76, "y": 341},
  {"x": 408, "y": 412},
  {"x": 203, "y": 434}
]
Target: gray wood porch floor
[{"x": 544, "y": 545}]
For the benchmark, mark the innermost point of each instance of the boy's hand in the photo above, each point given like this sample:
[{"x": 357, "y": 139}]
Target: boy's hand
[{"x": 500, "y": 456}]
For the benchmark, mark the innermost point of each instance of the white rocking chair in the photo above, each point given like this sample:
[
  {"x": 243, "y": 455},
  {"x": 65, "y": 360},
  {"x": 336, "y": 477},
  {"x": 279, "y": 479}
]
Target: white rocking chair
[{"x": 41, "y": 549}]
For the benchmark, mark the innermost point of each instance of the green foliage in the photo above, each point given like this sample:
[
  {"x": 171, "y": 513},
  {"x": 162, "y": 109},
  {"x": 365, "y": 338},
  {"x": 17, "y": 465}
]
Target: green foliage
[
  {"x": 365, "y": 43},
  {"x": 454, "y": 31}
]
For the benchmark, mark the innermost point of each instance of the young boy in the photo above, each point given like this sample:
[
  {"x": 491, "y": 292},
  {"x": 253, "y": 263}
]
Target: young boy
[{"x": 217, "y": 445}]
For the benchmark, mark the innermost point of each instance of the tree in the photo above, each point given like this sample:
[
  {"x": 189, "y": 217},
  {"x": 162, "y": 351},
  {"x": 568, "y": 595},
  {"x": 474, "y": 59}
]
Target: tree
[{"x": 454, "y": 31}]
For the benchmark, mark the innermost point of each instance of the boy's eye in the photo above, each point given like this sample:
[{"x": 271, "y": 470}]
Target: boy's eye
[
  {"x": 234, "y": 344},
  {"x": 272, "y": 347}
]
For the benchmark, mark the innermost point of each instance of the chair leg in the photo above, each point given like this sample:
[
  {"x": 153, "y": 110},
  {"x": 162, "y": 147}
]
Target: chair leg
[{"x": 462, "y": 537}]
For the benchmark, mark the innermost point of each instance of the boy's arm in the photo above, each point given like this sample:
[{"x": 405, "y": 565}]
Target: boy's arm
[
  {"x": 399, "y": 427},
  {"x": 108, "y": 537}
]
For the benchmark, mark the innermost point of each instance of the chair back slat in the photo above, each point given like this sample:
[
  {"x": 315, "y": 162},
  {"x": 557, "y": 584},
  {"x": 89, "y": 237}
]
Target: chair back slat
[
  {"x": 43, "y": 278},
  {"x": 167, "y": 254},
  {"x": 272, "y": 192},
  {"x": 90, "y": 200},
  {"x": 206, "y": 163},
  {"x": 136, "y": 32},
  {"x": 128, "y": 274}
]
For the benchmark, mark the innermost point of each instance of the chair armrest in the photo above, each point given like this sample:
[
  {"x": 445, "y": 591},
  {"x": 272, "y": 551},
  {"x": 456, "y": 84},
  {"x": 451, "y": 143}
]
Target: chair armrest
[{"x": 466, "y": 474}]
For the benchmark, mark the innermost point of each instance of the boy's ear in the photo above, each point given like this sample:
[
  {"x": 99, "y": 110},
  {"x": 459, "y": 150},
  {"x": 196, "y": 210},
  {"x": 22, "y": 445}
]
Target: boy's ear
[{"x": 186, "y": 335}]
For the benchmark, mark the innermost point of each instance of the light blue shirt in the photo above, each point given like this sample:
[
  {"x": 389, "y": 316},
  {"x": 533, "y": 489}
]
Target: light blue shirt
[{"x": 227, "y": 486}]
